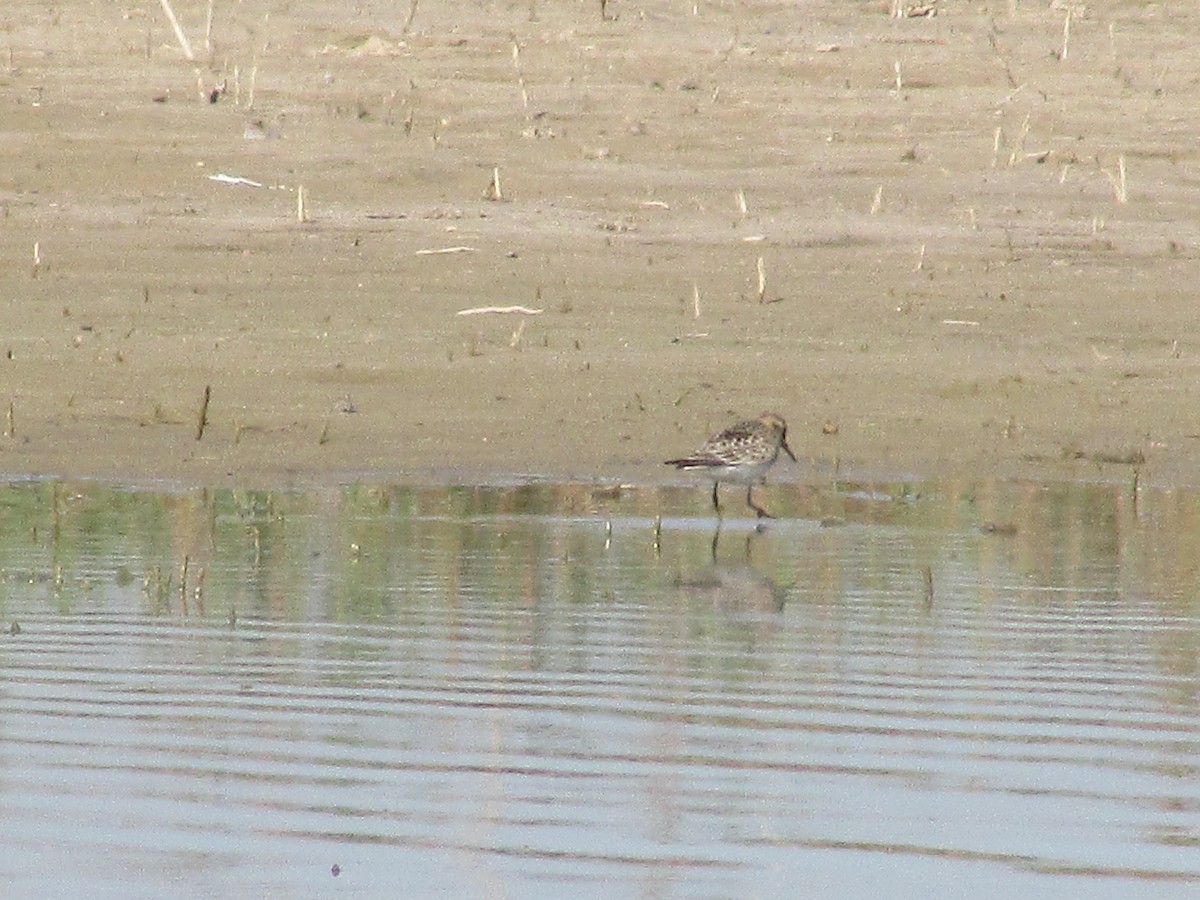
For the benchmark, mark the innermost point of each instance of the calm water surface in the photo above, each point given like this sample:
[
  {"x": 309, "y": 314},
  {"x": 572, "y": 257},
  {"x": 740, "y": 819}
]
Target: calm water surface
[{"x": 933, "y": 690}]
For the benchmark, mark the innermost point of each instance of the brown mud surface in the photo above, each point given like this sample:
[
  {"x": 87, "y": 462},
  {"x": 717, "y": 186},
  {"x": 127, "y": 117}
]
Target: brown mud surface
[{"x": 980, "y": 253}]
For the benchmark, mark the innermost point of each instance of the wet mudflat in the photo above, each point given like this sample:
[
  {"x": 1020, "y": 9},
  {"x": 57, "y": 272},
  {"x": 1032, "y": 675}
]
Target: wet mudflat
[{"x": 925, "y": 689}]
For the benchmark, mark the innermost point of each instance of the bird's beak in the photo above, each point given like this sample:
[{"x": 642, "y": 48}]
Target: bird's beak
[{"x": 788, "y": 451}]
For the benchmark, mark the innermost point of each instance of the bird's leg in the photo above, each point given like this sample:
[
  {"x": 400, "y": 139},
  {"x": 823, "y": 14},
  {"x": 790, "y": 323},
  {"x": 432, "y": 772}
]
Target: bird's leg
[
  {"x": 762, "y": 513},
  {"x": 716, "y": 502}
]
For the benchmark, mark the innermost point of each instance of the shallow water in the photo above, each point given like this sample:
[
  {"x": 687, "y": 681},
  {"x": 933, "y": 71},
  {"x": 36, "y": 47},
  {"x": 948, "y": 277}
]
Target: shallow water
[{"x": 934, "y": 690}]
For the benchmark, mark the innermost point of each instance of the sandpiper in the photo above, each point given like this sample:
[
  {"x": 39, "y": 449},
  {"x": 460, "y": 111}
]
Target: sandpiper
[{"x": 742, "y": 454}]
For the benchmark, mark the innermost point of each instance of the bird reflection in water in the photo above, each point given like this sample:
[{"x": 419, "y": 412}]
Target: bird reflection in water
[{"x": 735, "y": 590}]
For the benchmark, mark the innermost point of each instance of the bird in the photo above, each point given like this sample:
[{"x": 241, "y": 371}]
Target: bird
[{"x": 741, "y": 454}]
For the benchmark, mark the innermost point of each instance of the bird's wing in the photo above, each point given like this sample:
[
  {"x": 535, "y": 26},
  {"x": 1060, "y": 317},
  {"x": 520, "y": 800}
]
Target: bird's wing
[{"x": 729, "y": 446}]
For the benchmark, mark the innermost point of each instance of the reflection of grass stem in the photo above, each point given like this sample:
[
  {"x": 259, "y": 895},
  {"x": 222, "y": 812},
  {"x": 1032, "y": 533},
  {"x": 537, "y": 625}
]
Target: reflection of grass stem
[
  {"x": 183, "y": 571},
  {"x": 198, "y": 592}
]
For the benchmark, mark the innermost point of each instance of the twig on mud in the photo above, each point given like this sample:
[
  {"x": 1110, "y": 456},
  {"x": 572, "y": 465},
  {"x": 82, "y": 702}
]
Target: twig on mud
[
  {"x": 412, "y": 12},
  {"x": 202, "y": 418}
]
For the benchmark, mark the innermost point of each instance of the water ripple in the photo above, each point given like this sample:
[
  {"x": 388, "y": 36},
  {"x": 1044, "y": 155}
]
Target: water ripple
[{"x": 517, "y": 705}]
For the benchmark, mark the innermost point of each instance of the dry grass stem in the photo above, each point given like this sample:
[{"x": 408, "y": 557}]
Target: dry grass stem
[
  {"x": 695, "y": 300},
  {"x": 1018, "y": 150},
  {"x": 899, "y": 79},
  {"x": 493, "y": 191},
  {"x": 253, "y": 80},
  {"x": 515, "y": 341},
  {"x": 444, "y": 250},
  {"x": 878, "y": 201},
  {"x": 1119, "y": 187},
  {"x": 742, "y": 207},
  {"x": 762, "y": 280},
  {"x": 37, "y": 258},
  {"x": 1066, "y": 35},
  {"x": 516, "y": 56},
  {"x": 179, "y": 35},
  {"x": 208, "y": 25},
  {"x": 301, "y": 209},
  {"x": 920, "y": 259}
]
